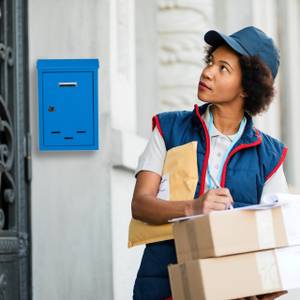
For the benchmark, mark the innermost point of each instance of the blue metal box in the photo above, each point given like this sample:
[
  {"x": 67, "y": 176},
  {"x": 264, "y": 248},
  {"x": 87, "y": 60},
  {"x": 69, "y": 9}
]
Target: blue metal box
[{"x": 68, "y": 104}]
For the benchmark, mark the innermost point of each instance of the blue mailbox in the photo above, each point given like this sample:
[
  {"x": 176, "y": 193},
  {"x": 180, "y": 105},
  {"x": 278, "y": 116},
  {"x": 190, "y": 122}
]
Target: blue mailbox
[{"x": 68, "y": 104}]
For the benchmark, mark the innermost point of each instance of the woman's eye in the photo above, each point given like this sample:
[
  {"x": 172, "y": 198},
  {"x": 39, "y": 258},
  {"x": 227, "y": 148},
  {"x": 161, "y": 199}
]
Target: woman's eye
[{"x": 223, "y": 68}]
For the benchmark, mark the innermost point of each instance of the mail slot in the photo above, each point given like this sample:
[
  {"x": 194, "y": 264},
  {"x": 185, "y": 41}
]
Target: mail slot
[{"x": 68, "y": 104}]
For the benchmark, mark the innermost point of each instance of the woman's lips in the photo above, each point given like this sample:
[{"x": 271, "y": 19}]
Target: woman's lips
[{"x": 203, "y": 86}]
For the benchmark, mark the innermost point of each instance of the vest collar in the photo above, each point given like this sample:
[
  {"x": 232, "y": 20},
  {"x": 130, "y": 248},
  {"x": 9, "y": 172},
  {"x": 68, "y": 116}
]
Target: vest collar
[{"x": 250, "y": 135}]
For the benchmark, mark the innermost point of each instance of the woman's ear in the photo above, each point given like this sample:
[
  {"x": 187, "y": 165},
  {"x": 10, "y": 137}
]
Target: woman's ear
[{"x": 243, "y": 95}]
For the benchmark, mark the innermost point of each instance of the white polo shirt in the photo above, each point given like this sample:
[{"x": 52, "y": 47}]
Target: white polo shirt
[{"x": 153, "y": 157}]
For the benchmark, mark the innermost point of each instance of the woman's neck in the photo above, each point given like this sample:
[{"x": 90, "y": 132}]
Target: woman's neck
[{"x": 226, "y": 119}]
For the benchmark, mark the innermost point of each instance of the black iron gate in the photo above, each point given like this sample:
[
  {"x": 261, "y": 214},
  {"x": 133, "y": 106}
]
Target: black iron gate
[{"x": 15, "y": 173}]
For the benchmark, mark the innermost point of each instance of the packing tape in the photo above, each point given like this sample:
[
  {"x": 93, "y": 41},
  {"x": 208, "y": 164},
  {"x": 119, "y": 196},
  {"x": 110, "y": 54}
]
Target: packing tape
[
  {"x": 268, "y": 270},
  {"x": 192, "y": 238},
  {"x": 265, "y": 229},
  {"x": 185, "y": 282}
]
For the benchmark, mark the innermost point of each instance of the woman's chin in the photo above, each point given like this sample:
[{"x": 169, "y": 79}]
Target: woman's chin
[{"x": 202, "y": 99}]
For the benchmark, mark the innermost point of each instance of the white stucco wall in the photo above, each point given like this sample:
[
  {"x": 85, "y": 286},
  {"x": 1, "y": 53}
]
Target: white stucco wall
[
  {"x": 71, "y": 220},
  {"x": 126, "y": 261},
  {"x": 289, "y": 12}
]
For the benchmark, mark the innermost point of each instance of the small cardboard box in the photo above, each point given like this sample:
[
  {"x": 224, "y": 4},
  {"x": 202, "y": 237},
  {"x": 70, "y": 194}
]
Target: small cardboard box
[
  {"x": 236, "y": 276},
  {"x": 237, "y": 231}
]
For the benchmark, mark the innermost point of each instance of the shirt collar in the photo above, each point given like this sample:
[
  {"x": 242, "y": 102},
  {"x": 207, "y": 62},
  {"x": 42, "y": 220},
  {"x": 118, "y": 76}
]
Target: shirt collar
[
  {"x": 215, "y": 132},
  {"x": 251, "y": 136}
]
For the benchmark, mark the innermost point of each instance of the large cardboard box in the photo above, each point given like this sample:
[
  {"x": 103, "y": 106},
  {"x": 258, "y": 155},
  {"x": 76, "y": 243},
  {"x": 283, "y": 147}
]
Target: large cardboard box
[
  {"x": 237, "y": 231},
  {"x": 236, "y": 276}
]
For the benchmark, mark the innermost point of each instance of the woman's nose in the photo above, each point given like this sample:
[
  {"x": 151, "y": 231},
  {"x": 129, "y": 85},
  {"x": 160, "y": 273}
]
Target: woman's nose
[{"x": 207, "y": 73}]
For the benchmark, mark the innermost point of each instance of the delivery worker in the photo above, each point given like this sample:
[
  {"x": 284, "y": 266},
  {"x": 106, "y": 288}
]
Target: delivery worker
[{"x": 213, "y": 151}]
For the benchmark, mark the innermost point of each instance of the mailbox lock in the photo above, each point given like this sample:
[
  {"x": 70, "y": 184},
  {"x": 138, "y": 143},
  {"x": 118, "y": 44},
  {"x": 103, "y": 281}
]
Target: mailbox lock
[{"x": 51, "y": 108}]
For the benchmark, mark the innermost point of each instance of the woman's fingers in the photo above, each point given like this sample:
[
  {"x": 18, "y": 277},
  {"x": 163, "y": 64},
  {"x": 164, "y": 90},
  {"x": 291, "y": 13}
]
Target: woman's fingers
[
  {"x": 221, "y": 205},
  {"x": 221, "y": 196},
  {"x": 213, "y": 201},
  {"x": 272, "y": 296},
  {"x": 218, "y": 205},
  {"x": 222, "y": 192}
]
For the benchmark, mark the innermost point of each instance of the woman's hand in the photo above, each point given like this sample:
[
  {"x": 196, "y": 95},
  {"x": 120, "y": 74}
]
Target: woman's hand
[
  {"x": 269, "y": 296},
  {"x": 214, "y": 199},
  {"x": 148, "y": 208}
]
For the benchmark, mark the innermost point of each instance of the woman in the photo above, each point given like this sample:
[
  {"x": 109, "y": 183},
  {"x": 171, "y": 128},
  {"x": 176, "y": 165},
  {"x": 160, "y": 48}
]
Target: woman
[{"x": 235, "y": 163}]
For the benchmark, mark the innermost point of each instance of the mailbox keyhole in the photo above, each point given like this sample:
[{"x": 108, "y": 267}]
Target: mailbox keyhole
[{"x": 51, "y": 108}]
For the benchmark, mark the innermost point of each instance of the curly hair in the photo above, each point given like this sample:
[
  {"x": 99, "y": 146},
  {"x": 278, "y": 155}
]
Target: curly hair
[{"x": 257, "y": 82}]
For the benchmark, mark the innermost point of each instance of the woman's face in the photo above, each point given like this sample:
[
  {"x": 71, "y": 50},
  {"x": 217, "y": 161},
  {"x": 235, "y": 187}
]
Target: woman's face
[{"x": 220, "y": 81}]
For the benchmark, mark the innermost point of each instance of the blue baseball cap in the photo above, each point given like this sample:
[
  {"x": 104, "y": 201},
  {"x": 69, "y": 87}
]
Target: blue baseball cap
[{"x": 248, "y": 41}]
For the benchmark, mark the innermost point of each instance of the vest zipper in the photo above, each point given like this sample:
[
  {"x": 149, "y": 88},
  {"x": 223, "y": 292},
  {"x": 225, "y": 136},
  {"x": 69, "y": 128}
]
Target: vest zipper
[
  {"x": 240, "y": 147},
  {"x": 207, "y": 151}
]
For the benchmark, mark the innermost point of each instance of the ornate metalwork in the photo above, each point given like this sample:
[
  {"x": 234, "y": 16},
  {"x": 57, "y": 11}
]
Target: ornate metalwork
[
  {"x": 15, "y": 163},
  {"x": 9, "y": 245},
  {"x": 7, "y": 184},
  {"x": 23, "y": 244},
  {"x": 3, "y": 284},
  {"x": 2, "y": 219}
]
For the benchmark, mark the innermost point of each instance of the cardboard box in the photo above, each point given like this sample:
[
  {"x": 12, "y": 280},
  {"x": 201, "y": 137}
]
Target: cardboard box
[
  {"x": 237, "y": 231},
  {"x": 236, "y": 276}
]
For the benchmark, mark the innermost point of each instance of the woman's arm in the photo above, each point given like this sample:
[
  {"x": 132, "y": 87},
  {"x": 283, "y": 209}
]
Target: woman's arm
[
  {"x": 148, "y": 208},
  {"x": 275, "y": 184}
]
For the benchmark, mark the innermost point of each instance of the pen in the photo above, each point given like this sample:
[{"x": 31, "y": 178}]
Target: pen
[{"x": 217, "y": 185}]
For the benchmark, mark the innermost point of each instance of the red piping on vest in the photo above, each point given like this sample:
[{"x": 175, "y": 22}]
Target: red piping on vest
[
  {"x": 155, "y": 122},
  {"x": 284, "y": 152},
  {"x": 240, "y": 147},
  {"x": 207, "y": 150}
]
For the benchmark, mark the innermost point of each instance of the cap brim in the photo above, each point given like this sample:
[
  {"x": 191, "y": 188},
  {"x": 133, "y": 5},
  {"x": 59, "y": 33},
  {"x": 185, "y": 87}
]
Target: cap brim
[{"x": 216, "y": 39}]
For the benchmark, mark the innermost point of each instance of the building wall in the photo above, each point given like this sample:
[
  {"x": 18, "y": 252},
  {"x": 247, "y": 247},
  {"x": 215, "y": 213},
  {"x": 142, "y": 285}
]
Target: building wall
[
  {"x": 71, "y": 196},
  {"x": 146, "y": 65},
  {"x": 181, "y": 25},
  {"x": 289, "y": 16}
]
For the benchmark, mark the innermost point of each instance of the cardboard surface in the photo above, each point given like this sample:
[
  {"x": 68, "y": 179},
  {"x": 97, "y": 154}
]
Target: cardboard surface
[
  {"x": 236, "y": 276},
  {"x": 230, "y": 232}
]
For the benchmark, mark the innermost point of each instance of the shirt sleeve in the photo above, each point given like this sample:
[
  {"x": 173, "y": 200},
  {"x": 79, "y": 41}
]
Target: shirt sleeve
[
  {"x": 153, "y": 157},
  {"x": 276, "y": 183}
]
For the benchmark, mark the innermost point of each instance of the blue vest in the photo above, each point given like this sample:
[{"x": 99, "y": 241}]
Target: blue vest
[{"x": 253, "y": 159}]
